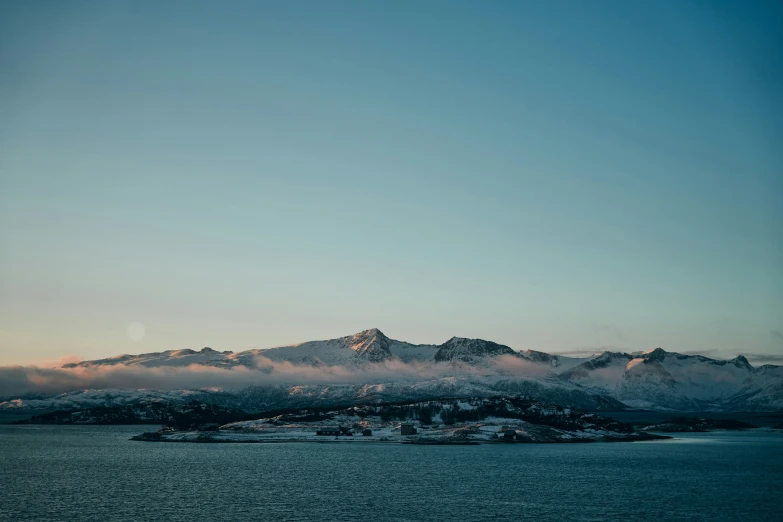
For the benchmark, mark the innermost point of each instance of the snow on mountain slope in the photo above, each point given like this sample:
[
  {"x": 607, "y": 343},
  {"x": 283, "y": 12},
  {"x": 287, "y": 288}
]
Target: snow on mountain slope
[
  {"x": 696, "y": 377},
  {"x": 407, "y": 352},
  {"x": 557, "y": 363},
  {"x": 660, "y": 379},
  {"x": 471, "y": 350},
  {"x": 603, "y": 371},
  {"x": 764, "y": 391},
  {"x": 207, "y": 356},
  {"x": 273, "y": 397},
  {"x": 92, "y": 398},
  {"x": 369, "y": 365},
  {"x": 367, "y": 346},
  {"x": 685, "y": 381}
]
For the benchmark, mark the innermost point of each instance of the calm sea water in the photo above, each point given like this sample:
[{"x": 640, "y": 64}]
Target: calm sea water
[{"x": 74, "y": 473}]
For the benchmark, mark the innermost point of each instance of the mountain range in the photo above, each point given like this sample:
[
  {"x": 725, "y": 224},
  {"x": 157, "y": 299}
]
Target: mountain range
[{"x": 373, "y": 367}]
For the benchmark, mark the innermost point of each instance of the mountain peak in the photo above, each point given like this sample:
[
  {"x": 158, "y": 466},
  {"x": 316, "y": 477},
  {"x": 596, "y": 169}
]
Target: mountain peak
[
  {"x": 175, "y": 353},
  {"x": 659, "y": 354},
  {"x": 741, "y": 362},
  {"x": 372, "y": 332},
  {"x": 371, "y": 345},
  {"x": 467, "y": 350}
]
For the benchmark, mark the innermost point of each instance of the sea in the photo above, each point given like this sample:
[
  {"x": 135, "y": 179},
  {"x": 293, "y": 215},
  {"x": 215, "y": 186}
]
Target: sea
[{"x": 95, "y": 473}]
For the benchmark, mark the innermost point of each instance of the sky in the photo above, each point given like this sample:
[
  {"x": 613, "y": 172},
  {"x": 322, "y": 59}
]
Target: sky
[{"x": 559, "y": 176}]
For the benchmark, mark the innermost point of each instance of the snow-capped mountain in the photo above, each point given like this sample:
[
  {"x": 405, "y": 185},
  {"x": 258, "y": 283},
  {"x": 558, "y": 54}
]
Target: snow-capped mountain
[
  {"x": 558, "y": 363},
  {"x": 186, "y": 357},
  {"x": 369, "y": 346},
  {"x": 274, "y": 397},
  {"x": 369, "y": 366},
  {"x": 471, "y": 350},
  {"x": 661, "y": 379}
]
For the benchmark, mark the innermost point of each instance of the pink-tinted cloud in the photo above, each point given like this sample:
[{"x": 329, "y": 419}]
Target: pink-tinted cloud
[{"x": 19, "y": 380}]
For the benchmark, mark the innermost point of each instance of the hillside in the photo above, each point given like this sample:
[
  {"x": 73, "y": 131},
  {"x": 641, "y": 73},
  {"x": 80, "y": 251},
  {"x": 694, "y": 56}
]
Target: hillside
[
  {"x": 443, "y": 421},
  {"x": 371, "y": 366}
]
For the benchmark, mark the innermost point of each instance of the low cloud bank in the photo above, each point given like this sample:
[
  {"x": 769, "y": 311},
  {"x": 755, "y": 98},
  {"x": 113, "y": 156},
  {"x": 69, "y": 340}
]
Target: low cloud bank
[
  {"x": 757, "y": 359},
  {"x": 16, "y": 381}
]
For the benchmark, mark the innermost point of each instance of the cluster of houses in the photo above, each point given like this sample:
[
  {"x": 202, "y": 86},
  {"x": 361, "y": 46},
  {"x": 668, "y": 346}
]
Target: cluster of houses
[
  {"x": 334, "y": 431},
  {"x": 406, "y": 428},
  {"x": 508, "y": 433},
  {"x": 505, "y": 433}
]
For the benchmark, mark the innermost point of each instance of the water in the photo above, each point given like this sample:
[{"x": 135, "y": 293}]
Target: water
[{"x": 95, "y": 473}]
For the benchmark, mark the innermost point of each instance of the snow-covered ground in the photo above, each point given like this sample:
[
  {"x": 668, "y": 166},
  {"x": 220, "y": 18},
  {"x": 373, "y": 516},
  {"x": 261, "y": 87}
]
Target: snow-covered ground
[
  {"x": 479, "y": 432},
  {"x": 454, "y": 421}
]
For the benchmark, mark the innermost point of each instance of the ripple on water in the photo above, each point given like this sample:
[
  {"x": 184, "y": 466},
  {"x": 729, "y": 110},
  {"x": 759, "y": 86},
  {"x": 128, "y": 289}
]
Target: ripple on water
[{"x": 96, "y": 473}]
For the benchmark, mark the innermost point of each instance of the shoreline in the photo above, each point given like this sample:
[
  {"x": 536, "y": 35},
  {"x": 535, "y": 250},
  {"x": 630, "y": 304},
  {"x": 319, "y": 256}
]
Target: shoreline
[{"x": 647, "y": 437}]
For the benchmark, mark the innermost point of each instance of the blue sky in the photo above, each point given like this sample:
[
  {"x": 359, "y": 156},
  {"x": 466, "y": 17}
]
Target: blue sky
[{"x": 560, "y": 176}]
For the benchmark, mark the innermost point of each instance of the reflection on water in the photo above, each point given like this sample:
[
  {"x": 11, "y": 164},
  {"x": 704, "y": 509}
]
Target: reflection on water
[
  {"x": 96, "y": 474},
  {"x": 722, "y": 437}
]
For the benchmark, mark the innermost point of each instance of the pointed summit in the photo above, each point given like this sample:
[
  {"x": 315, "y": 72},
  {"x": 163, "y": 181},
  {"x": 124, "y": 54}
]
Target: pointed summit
[
  {"x": 372, "y": 332},
  {"x": 371, "y": 345},
  {"x": 741, "y": 362},
  {"x": 659, "y": 354}
]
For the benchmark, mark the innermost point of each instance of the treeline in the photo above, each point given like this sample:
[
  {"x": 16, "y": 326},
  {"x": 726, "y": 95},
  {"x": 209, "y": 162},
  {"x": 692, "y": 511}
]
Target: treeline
[
  {"x": 435, "y": 411},
  {"x": 474, "y": 410},
  {"x": 449, "y": 413},
  {"x": 193, "y": 415},
  {"x": 154, "y": 413},
  {"x": 181, "y": 416}
]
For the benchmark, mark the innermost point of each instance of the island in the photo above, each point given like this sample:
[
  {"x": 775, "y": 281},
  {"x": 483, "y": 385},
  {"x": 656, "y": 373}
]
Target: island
[{"x": 433, "y": 422}]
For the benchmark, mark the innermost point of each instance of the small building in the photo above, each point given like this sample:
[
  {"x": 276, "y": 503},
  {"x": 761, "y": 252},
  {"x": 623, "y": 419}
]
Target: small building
[
  {"x": 406, "y": 428},
  {"x": 329, "y": 432},
  {"x": 367, "y": 432},
  {"x": 509, "y": 435}
]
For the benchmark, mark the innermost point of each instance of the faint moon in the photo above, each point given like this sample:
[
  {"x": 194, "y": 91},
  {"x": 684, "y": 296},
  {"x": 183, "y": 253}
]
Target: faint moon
[{"x": 136, "y": 331}]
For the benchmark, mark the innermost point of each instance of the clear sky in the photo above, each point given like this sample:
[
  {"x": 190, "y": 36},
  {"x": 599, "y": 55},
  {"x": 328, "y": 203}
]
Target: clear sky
[{"x": 559, "y": 176}]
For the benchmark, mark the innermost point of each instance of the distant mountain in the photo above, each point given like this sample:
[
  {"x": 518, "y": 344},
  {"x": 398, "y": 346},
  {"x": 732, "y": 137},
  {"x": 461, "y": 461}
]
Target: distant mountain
[
  {"x": 206, "y": 356},
  {"x": 369, "y": 346},
  {"x": 471, "y": 350},
  {"x": 379, "y": 368},
  {"x": 658, "y": 379}
]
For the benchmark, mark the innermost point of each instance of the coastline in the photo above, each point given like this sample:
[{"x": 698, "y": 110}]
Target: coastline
[{"x": 200, "y": 438}]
